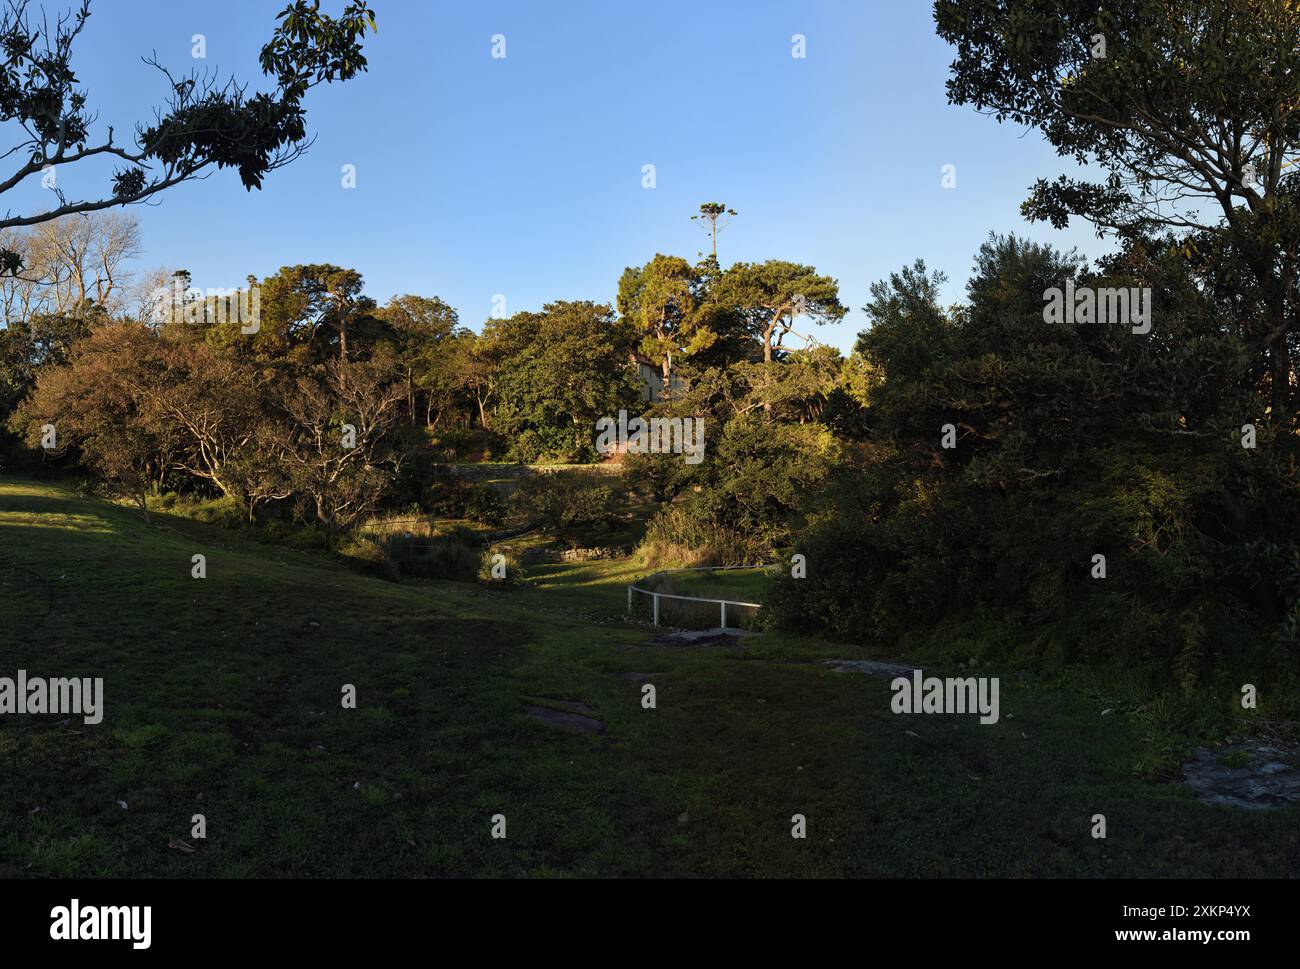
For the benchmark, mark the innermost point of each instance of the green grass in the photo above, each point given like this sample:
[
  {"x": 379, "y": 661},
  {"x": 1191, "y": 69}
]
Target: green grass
[
  {"x": 222, "y": 698},
  {"x": 742, "y": 585}
]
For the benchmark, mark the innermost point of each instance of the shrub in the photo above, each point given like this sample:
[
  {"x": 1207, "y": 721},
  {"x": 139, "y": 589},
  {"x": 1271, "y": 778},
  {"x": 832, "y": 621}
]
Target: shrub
[
  {"x": 755, "y": 480},
  {"x": 515, "y": 573},
  {"x": 411, "y": 483},
  {"x": 469, "y": 444},
  {"x": 677, "y": 538},
  {"x": 228, "y": 512},
  {"x": 453, "y": 555},
  {"x": 483, "y": 505},
  {"x": 568, "y": 505}
]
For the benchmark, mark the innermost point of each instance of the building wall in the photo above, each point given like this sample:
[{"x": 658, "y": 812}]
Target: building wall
[{"x": 652, "y": 381}]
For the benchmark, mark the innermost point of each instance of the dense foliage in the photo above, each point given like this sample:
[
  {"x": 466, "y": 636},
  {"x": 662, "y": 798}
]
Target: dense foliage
[{"x": 1069, "y": 442}]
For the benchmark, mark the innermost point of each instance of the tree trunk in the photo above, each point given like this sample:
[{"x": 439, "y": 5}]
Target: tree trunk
[
  {"x": 1282, "y": 392},
  {"x": 767, "y": 352}
]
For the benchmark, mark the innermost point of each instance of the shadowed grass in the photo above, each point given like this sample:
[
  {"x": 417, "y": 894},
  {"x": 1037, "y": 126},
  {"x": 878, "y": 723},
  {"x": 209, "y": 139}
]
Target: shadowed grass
[{"x": 222, "y": 698}]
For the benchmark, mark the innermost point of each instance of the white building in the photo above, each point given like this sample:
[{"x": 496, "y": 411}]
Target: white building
[{"x": 652, "y": 379}]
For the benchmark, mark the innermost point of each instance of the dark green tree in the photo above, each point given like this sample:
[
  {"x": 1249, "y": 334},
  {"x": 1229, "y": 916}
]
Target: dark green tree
[
  {"x": 560, "y": 371},
  {"x": 203, "y": 124},
  {"x": 1190, "y": 112}
]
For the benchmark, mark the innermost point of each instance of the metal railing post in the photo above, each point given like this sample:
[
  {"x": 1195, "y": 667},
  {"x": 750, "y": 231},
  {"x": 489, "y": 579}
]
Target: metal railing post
[{"x": 656, "y": 596}]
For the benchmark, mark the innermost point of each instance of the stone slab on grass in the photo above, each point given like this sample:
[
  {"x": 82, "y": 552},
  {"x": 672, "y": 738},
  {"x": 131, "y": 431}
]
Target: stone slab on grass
[
  {"x": 1256, "y": 776},
  {"x": 573, "y": 722}
]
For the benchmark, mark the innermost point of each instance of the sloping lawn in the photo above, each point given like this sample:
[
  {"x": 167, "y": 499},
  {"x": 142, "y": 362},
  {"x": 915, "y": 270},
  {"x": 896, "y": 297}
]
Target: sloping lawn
[{"x": 222, "y": 698}]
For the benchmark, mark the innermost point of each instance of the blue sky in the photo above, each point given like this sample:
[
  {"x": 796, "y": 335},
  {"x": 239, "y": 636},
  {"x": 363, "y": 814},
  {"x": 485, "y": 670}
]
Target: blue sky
[{"x": 522, "y": 176}]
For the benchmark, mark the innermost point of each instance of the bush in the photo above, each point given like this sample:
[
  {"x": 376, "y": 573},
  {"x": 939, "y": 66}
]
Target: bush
[
  {"x": 567, "y": 505},
  {"x": 677, "y": 538},
  {"x": 453, "y": 555},
  {"x": 450, "y": 497},
  {"x": 469, "y": 444},
  {"x": 662, "y": 476},
  {"x": 417, "y": 469},
  {"x": 483, "y": 505},
  {"x": 228, "y": 512},
  {"x": 510, "y": 561}
]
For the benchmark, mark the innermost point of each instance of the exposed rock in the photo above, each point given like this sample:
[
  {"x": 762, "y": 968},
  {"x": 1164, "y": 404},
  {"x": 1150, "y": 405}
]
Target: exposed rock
[
  {"x": 533, "y": 555},
  {"x": 703, "y": 637},
  {"x": 1269, "y": 780},
  {"x": 571, "y": 706},
  {"x": 573, "y": 722}
]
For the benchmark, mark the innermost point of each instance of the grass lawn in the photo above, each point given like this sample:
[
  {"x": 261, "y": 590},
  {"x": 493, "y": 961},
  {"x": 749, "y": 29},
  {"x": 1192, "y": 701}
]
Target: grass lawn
[
  {"x": 742, "y": 585},
  {"x": 222, "y": 698}
]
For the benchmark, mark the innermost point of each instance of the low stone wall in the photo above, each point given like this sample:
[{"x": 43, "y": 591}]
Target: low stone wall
[
  {"x": 574, "y": 554},
  {"x": 487, "y": 472}
]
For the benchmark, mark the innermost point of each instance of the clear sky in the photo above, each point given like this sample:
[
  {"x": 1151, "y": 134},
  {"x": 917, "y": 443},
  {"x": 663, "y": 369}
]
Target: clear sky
[{"x": 522, "y": 176}]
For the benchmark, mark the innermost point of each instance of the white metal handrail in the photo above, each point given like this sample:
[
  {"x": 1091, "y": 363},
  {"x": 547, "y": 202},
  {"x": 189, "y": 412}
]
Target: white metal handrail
[{"x": 723, "y": 603}]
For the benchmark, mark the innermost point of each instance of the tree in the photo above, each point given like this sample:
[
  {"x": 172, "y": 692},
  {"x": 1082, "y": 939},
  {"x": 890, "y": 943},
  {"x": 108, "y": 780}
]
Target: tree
[
  {"x": 1190, "y": 110},
  {"x": 660, "y": 300},
  {"x": 202, "y": 126},
  {"x": 771, "y": 295},
  {"x": 723, "y": 336},
  {"x": 561, "y": 370},
  {"x": 793, "y": 390},
  {"x": 69, "y": 264},
  {"x": 214, "y": 408},
  {"x": 95, "y": 407},
  {"x": 715, "y": 217},
  {"x": 423, "y": 328},
  {"x": 909, "y": 327},
  {"x": 26, "y": 347},
  {"x": 335, "y": 448},
  {"x": 1002, "y": 454},
  {"x": 475, "y": 367},
  {"x": 309, "y": 312}
]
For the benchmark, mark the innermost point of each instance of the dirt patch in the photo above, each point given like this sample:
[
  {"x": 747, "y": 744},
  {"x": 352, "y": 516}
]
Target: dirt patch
[{"x": 702, "y": 637}]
